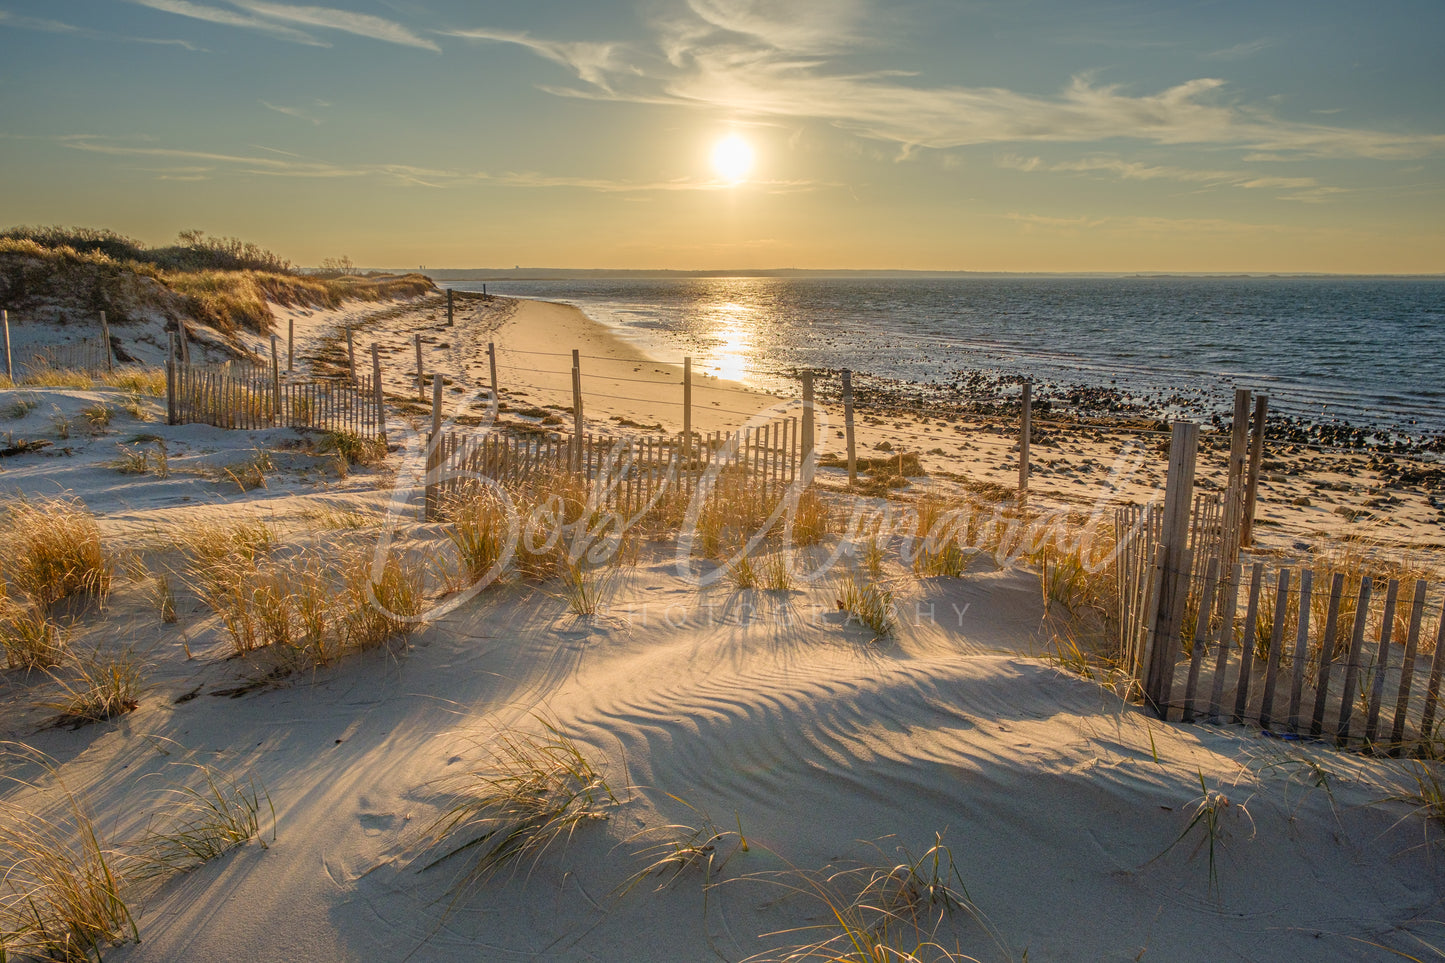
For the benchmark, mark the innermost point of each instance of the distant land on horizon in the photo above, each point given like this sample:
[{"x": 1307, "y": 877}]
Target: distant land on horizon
[{"x": 569, "y": 274}]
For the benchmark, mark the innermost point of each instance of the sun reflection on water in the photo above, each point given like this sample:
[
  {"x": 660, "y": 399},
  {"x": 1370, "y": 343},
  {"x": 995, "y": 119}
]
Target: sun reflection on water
[{"x": 731, "y": 339}]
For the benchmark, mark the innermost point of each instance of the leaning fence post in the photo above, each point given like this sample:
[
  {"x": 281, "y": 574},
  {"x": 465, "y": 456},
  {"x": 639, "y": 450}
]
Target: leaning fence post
[
  {"x": 1256, "y": 457},
  {"x": 290, "y": 345},
  {"x": 433, "y": 453},
  {"x": 105, "y": 339},
  {"x": 351, "y": 353},
  {"x": 9, "y": 363},
  {"x": 420, "y": 384},
  {"x": 577, "y": 406},
  {"x": 275, "y": 381},
  {"x": 450, "y": 322},
  {"x": 848, "y": 426},
  {"x": 1234, "y": 485},
  {"x": 1174, "y": 585},
  {"x": 1026, "y": 419},
  {"x": 377, "y": 391},
  {"x": 686, "y": 406}
]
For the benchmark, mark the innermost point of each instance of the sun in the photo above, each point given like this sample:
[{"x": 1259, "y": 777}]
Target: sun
[{"x": 732, "y": 158}]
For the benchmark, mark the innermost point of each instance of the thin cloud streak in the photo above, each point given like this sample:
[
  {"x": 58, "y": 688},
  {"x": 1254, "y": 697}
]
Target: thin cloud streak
[
  {"x": 229, "y": 18},
  {"x": 20, "y": 22},
  {"x": 293, "y": 165},
  {"x": 1306, "y": 189},
  {"x": 329, "y": 18}
]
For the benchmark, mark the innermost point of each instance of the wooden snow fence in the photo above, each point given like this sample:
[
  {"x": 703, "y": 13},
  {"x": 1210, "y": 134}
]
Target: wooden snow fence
[
  {"x": 1358, "y": 664},
  {"x": 626, "y": 476},
  {"x": 247, "y": 397},
  {"x": 1299, "y": 652},
  {"x": 88, "y": 355}
]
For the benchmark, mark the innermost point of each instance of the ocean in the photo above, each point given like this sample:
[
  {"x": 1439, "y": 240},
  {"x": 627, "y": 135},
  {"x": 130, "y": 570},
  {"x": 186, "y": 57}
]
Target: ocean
[{"x": 1362, "y": 351}]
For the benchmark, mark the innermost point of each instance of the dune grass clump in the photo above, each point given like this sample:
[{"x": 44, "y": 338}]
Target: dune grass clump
[
  {"x": 137, "y": 460},
  {"x": 311, "y": 609},
  {"x": 813, "y": 518},
  {"x": 30, "y": 639},
  {"x": 882, "y": 913},
  {"x": 585, "y": 587},
  {"x": 704, "y": 847},
  {"x": 777, "y": 572},
  {"x": 54, "y": 550},
  {"x": 97, "y": 687},
  {"x": 20, "y": 406},
  {"x": 868, "y": 601},
  {"x": 208, "y": 821},
  {"x": 356, "y": 449},
  {"x": 60, "y": 886},
  {"x": 535, "y": 792},
  {"x": 742, "y": 572},
  {"x": 150, "y": 382},
  {"x": 482, "y": 532}
]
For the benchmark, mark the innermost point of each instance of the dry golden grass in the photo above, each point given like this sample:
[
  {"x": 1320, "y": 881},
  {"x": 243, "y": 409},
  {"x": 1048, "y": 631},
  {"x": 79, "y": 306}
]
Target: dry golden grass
[
  {"x": 311, "y": 609},
  {"x": 97, "y": 687},
  {"x": 60, "y": 888},
  {"x": 533, "y": 792},
  {"x": 30, "y": 639},
  {"x": 54, "y": 550}
]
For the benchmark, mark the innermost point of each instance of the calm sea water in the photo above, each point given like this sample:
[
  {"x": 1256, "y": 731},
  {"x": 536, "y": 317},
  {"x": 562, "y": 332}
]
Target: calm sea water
[{"x": 1366, "y": 351}]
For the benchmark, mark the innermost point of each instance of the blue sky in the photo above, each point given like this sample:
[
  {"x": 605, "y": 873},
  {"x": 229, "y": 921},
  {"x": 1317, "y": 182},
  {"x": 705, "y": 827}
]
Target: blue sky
[{"x": 1024, "y": 135}]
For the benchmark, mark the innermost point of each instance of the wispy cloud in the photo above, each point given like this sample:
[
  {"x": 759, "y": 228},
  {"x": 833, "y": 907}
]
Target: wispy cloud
[
  {"x": 230, "y": 18},
  {"x": 1239, "y": 51},
  {"x": 191, "y": 164},
  {"x": 296, "y": 112},
  {"x": 329, "y": 18},
  {"x": 591, "y": 61},
  {"x": 8, "y": 19},
  {"x": 742, "y": 58},
  {"x": 1302, "y": 188}
]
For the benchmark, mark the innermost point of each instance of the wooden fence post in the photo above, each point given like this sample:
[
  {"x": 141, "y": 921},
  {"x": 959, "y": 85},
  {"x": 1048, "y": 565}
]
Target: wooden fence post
[
  {"x": 1256, "y": 458},
  {"x": 105, "y": 338},
  {"x": 172, "y": 403},
  {"x": 492, "y": 361},
  {"x": 377, "y": 390},
  {"x": 183, "y": 343},
  {"x": 290, "y": 345},
  {"x": 420, "y": 384},
  {"x": 686, "y": 406},
  {"x": 450, "y": 316},
  {"x": 1026, "y": 423},
  {"x": 351, "y": 353},
  {"x": 275, "y": 382},
  {"x": 848, "y": 426},
  {"x": 1174, "y": 585},
  {"x": 808, "y": 423},
  {"x": 433, "y": 453},
  {"x": 9, "y": 362},
  {"x": 1233, "y": 520},
  {"x": 577, "y": 407}
]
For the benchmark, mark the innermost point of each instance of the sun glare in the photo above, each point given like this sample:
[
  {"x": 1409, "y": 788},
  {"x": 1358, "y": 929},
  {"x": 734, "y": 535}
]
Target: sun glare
[{"x": 732, "y": 158}]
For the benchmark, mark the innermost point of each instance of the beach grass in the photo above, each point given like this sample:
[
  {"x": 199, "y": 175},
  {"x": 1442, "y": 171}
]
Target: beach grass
[
  {"x": 534, "y": 793},
  {"x": 95, "y": 687},
  {"x": 60, "y": 881},
  {"x": 207, "y": 821},
  {"x": 55, "y": 550},
  {"x": 869, "y": 601}
]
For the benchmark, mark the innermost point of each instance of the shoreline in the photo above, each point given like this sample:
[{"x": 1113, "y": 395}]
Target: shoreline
[
  {"x": 1368, "y": 418},
  {"x": 1307, "y": 498}
]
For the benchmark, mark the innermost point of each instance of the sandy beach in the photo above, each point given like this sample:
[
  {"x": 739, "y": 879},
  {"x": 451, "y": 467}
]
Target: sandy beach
[{"x": 771, "y": 759}]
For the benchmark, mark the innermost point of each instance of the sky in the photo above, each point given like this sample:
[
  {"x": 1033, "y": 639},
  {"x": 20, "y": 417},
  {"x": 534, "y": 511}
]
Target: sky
[{"x": 996, "y": 135}]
